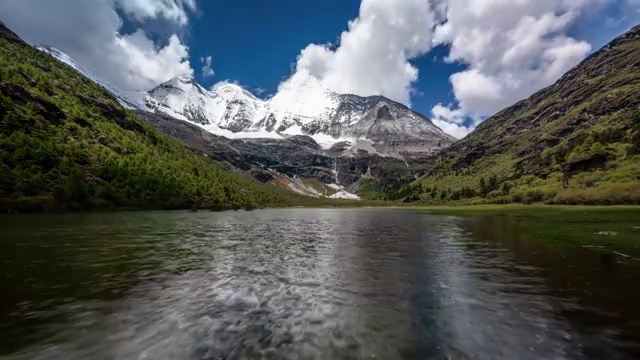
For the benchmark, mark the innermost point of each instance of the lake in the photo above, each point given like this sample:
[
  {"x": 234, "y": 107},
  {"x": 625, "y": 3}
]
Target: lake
[{"x": 311, "y": 284}]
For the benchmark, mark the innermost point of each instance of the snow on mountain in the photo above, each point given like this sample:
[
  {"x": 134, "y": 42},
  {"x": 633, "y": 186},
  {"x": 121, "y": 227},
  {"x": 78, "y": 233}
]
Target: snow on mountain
[
  {"x": 302, "y": 99},
  {"x": 302, "y": 106},
  {"x": 128, "y": 99},
  {"x": 299, "y": 101},
  {"x": 182, "y": 98}
]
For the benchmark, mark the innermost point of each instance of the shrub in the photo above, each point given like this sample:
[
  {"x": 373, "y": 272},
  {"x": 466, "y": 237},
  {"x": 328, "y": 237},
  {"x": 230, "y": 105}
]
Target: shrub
[
  {"x": 533, "y": 195},
  {"x": 635, "y": 142},
  {"x": 501, "y": 200},
  {"x": 539, "y": 194},
  {"x": 606, "y": 194},
  {"x": 506, "y": 187},
  {"x": 517, "y": 196},
  {"x": 587, "y": 179},
  {"x": 478, "y": 201}
]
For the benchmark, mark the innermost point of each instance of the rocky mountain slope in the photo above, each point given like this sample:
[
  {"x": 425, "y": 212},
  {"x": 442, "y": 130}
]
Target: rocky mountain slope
[
  {"x": 65, "y": 142},
  {"x": 296, "y": 163},
  {"x": 576, "y": 141}
]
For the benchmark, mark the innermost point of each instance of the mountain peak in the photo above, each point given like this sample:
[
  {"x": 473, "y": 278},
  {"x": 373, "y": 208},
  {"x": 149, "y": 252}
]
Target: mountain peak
[
  {"x": 226, "y": 86},
  {"x": 186, "y": 77},
  {"x": 302, "y": 78},
  {"x": 233, "y": 90}
]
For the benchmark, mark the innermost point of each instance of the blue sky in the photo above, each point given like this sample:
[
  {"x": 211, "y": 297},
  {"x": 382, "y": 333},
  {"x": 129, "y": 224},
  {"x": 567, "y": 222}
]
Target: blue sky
[{"x": 498, "y": 51}]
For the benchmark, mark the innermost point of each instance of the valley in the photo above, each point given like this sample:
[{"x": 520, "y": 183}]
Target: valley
[{"x": 575, "y": 142}]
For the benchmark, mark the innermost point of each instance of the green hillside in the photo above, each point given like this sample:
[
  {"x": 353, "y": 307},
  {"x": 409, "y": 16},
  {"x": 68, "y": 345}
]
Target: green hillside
[
  {"x": 576, "y": 142},
  {"x": 66, "y": 143}
]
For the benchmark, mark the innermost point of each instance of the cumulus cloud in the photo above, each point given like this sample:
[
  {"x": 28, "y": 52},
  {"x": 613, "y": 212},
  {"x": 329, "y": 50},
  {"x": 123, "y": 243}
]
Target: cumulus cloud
[
  {"x": 373, "y": 55},
  {"x": 512, "y": 48},
  {"x": 207, "y": 69},
  {"x": 451, "y": 121},
  {"x": 89, "y": 31},
  {"x": 176, "y": 10}
]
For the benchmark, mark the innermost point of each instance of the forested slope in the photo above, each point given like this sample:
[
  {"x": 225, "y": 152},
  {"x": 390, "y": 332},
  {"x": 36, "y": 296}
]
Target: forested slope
[
  {"x": 575, "y": 142},
  {"x": 66, "y": 143}
]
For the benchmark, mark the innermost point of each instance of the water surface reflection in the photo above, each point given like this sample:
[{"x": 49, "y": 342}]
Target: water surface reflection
[{"x": 305, "y": 284}]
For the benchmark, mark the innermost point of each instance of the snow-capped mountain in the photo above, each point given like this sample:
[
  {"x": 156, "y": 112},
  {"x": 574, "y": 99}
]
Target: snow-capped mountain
[
  {"x": 302, "y": 106},
  {"x": 305, "y": 139},
  {"x": 227, "y": 106},
  {"x": 128, "y": 99}
]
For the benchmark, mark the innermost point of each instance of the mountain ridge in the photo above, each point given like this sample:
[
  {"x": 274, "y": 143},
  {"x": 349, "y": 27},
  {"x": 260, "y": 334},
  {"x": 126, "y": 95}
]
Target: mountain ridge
[{"x": 130, "y": 100}]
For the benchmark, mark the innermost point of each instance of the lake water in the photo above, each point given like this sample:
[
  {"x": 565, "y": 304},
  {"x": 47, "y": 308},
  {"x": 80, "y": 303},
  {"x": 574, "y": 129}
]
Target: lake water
[{"x": 306, "y": 284}]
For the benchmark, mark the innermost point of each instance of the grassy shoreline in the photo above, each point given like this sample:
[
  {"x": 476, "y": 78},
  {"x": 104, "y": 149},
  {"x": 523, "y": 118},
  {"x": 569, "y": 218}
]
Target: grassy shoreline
[{"x": 312, "y": 203}]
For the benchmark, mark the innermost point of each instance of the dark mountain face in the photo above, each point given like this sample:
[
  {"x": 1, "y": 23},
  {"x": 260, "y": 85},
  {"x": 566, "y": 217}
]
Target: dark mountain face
[
  {"x": 578, "y": 135},
  {"x": 294, "y": 157}
]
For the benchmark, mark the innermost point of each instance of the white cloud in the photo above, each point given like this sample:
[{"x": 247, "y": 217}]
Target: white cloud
[
  {"x": 207, "y": 69},
  {"x": 451, "y": 121},
  {"x": 89, "y": 32},
  {"x": 456, "y": 130},
  {"x": 373, "y": 55},
  {"x": 146, "y": 65},
  {"x": 446, "y": 113},
  {"x": 512, "y": 48},
  {"x": 176, "y": 10}
]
